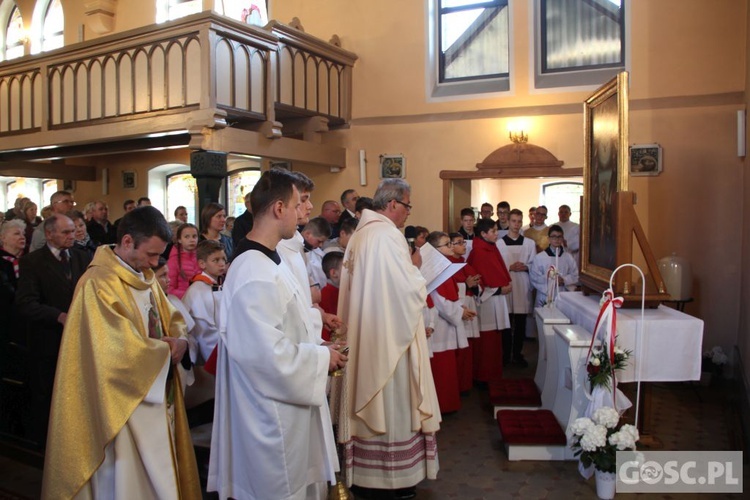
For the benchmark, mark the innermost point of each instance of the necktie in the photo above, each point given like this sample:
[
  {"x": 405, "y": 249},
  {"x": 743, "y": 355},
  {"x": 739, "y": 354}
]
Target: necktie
[{"x": 65, "y": 261}]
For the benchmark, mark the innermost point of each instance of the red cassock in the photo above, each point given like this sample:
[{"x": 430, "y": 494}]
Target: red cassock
[
  {"x": 465, "y": 363},
  {"x": 443, "y": 363},
  {"x": 329, "y": 302},
  {"x": 486, "y": 259}
]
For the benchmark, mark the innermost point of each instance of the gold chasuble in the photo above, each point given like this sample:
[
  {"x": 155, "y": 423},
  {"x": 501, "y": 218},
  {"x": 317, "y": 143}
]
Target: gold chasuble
[{"x": 107, "y": 364}]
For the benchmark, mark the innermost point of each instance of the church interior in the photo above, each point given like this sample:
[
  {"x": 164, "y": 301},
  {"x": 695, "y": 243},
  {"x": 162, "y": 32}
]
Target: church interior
[{"x": 186, "y": 101}]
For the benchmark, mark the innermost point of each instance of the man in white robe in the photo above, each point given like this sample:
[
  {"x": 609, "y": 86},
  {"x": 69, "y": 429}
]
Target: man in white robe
[
  {"x": 517, "y": 252},
  {"x": 389, "y": 410},
  {"x": 565, "y": 273},
  {"x": 571, "y": 243},
  {"x": 272, "y": 435},
  {"x": 292, "y": 251}
]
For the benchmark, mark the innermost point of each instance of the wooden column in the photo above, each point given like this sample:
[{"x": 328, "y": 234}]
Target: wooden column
[{"x": 210, "y": 171}]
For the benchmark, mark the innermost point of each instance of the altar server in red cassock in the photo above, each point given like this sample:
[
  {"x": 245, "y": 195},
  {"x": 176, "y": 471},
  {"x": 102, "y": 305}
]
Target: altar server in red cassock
[
  {"x": 467, "y": 280},
  {"x": 449, "y": 336},
  {"x": 493, "y": 308}
]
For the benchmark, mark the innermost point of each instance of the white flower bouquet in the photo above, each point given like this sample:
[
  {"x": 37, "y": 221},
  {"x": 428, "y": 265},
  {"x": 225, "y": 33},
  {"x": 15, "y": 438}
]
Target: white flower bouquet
[{"x": 596, "y": 440}]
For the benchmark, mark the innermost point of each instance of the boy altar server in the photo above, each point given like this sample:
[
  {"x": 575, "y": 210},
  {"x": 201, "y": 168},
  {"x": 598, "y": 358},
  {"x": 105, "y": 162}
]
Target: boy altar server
[
  {"x": 272, "y": 434},
  {"x": 565, "y": 267},
  {"x": 518, "y": 252},
  {"x": 203, "y": 297},
  {"x": 493, "y": 308}
]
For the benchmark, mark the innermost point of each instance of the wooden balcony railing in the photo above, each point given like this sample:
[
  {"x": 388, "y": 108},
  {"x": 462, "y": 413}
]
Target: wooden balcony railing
[{"x": 202, "y": 62}]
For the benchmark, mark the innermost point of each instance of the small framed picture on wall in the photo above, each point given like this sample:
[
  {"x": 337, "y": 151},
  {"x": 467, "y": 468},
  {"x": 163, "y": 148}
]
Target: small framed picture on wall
[
  {"x": 645, "y": 159},
  {"x": 129, "y": 180},
  {"x": 392, "y": 167}
]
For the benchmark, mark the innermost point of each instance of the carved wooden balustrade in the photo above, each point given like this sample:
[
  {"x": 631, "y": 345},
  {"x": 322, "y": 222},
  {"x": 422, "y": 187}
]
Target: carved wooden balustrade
[{"x": 204, "y": 68}]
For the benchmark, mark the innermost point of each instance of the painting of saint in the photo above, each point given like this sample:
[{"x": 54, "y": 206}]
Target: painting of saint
[{"x": 604, "y": 181}]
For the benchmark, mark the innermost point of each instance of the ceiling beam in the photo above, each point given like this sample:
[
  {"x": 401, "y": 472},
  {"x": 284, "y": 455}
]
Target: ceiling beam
[{"x": 55, "y": 170}]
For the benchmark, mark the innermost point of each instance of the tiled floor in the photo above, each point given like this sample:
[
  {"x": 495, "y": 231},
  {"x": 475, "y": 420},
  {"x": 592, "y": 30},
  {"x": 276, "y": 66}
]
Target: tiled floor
[{"x": 473, "y": 464}]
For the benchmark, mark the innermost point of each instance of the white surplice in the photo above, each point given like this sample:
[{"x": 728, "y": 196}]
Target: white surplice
[
  {"x": 292, "y": 252},
  {"x": 449, "y": 326},
  {"x": 203, "y": 305},
  {"x": 519, "y": 299},
  {"x": 272, "y": 433},
  {"x": 565, "y": 265}
]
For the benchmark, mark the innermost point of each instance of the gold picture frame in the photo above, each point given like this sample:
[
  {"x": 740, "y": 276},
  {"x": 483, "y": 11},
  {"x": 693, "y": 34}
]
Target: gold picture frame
[{"x": 605, "y": 174}]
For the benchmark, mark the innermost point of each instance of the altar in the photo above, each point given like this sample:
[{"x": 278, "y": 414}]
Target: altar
[{"x": 672, "y": 340}]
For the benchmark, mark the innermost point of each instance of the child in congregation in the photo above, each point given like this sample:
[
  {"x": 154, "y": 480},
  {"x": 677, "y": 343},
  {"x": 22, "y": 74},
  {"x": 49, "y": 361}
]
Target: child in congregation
[
  {"x": 161, "y": 275},
  {"x": 183, "y": 262},
  {"x": 329, "y": 295},
  {"x": 449, "y": 336},
  {"x": 204, "y": 296},
  {"x": 345, "y": 234},
  {"x": 467, "y": 279}
]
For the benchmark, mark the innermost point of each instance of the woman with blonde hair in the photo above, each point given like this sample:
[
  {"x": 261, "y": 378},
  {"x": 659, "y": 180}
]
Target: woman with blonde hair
[{"x": 32, "y": 220}]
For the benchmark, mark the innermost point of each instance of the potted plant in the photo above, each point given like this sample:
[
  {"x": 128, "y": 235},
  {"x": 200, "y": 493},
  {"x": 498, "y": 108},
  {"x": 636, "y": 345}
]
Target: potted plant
[
  {"x": 596, "y": 441},
  {"x": 712, "y": 365}
]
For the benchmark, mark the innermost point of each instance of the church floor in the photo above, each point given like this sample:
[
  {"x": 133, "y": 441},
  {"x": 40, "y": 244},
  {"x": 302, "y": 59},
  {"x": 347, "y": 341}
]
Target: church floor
[{"x": 473, "y": 464}]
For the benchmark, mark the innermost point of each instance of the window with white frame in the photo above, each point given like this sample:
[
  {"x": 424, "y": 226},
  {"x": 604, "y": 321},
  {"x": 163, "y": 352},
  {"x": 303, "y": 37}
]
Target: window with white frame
[
  {"x": 252, "y": 12},
  {"x": 181, "y": 191},
  {"x": 579, "y": 42},
  {"x": 240, "y": 182},
  {"x": 54, "y": 24},
  {"x": 555, "y": 194},
  {"x": 167, "y": 10},
  {"x": 470, "y": 50},
  {"x": 15, "y": 35}
]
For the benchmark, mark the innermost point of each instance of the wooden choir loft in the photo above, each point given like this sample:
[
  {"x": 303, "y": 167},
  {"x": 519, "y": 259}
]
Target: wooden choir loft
[{"x": 205, "y": 83}]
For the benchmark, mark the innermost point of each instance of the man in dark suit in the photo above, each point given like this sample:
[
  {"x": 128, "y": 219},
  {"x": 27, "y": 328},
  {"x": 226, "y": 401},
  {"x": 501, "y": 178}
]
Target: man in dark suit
[
  {"x": 242, "y": 224},
  {"x": 47, "y": 280},
  {"x": 348, "y": 202},
  {"x": 99, "y": 227}
]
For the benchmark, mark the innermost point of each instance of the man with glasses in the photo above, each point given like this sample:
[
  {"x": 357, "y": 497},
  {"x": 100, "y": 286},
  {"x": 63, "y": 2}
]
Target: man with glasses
[
  {"x": 538, "y": 230},
  {"x": 388, "y": 416},
  {"x": 565, "y": 269},
  {"x": 62, "y": 203},
  {"x": 349, "y": 202},
  {"x": 503, "y": 210}
]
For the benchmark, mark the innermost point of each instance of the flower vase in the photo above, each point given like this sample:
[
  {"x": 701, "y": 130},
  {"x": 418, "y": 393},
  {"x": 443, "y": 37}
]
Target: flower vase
[{"x": 605, "y": 484}]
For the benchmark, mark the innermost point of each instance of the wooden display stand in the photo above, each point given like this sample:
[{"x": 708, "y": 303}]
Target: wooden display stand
[{"x": 628, "y": 226}]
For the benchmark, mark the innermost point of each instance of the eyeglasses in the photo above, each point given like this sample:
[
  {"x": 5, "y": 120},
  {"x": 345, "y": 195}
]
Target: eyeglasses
[
  {"x": 449, "y": 244},
  {"x": 406, "y": 205},
  {"x": 66, "y": 201},
  {"x": 458, "y": 243},
  {"x": 555, "y": 236}
]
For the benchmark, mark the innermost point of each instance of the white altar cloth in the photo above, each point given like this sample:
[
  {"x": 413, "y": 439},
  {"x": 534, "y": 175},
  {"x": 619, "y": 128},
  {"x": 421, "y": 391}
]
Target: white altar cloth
[{"x": 672, "y": 348}]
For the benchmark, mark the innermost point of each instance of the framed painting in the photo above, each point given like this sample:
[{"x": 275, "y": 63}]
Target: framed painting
[
  {"x": 645, "y": 159},
  {"x": 392, "y": 166},
  {"x": 129, "y": 180},
  {"x": 605, "y": 174}
]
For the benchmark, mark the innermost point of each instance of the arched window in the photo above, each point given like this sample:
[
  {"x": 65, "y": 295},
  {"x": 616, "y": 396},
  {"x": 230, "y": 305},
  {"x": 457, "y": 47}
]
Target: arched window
[
  {"x": 167, "y": 10},
  {"x": 252, "y": 12},
  {"x": 555, "y": 194},
  {"x": 241, "y": 182},
  {"x": 49, "y": 187},
  {"x": 52, "y": 29},
  {"x": 181, "y": 191},
  {"x": 14, "y": 35}
]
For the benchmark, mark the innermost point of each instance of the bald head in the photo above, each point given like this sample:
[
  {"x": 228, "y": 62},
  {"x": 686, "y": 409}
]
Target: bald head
[{"x": 331, "y": 211}]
